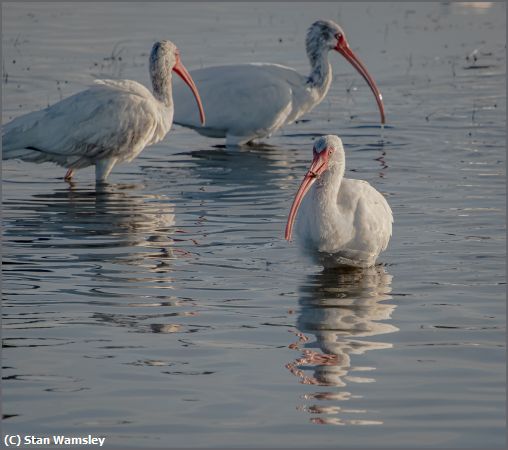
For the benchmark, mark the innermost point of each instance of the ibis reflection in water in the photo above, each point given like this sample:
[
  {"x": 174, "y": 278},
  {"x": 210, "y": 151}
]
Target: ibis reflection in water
[{"x": 338, "y": 310}]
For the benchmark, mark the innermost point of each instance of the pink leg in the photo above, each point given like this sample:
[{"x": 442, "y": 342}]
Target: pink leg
[{"x": 69, "y": 174}]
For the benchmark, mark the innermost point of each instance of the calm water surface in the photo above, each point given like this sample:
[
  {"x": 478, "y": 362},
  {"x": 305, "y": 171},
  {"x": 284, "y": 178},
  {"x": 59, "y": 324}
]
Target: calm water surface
[{"x": 167, "y": 310}]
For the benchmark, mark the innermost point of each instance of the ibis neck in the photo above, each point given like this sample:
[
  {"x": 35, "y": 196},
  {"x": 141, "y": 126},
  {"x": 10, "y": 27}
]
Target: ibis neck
[
  {"x": 161, "y": 80},
  {"x": 328, "y": 185},
  {"x": 321, "y": 71}
]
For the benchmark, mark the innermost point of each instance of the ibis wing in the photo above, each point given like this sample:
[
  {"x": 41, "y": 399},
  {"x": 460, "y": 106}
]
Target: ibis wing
[
  {"x": 372, "y": 216},
  {"x": 100, "y": 122},
  {"x": 238, "y": 99}
]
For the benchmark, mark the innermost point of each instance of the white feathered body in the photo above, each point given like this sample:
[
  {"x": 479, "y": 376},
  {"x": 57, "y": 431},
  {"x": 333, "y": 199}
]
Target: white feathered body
[
  {"x": 348, "y": 223},
  {"x": 246, "y": 101},
  {"x": 110, "y": 120}
]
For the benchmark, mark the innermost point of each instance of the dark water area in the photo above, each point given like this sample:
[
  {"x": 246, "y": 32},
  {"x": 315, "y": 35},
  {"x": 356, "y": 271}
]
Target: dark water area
[{"x": 166, "y": 310}]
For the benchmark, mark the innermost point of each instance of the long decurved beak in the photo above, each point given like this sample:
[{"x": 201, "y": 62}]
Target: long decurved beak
[
  {"x": 180, "y": 69},
  {"x": 343, "y": 48},
  {"x": 318, "y": 166}
]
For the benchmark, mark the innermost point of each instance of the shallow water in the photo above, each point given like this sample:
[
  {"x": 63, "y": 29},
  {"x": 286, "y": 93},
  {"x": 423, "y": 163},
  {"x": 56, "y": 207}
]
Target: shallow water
[{"x": 167, "y": 310}]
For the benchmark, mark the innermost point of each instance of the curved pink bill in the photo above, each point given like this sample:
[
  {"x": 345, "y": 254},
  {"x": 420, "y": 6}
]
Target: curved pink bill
[
  {"x": 180, "y": 69},
  {"x": 343, "y": 48},
  {"x": 318, "y": 166}
]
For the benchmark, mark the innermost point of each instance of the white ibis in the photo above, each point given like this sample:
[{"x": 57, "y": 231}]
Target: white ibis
[
  {"x": 111, "y": 122},
  {"x": 249, "y": 101},
  {"x": 343, "y": 222}
]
